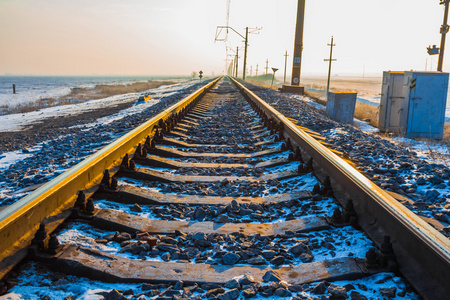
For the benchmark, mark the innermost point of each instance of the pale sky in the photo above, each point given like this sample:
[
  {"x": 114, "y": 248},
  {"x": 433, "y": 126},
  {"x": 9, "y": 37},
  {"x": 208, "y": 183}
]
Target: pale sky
[{"x": 176, "y": 37}]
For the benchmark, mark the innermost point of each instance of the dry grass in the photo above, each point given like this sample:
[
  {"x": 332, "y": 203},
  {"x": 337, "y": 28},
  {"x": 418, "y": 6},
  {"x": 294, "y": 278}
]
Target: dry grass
[
  {"x": 446, "y": 138},
  {"x": 367, "y": 112},
  {"x": 316, "y": 97},
  {"x": 263, "y": 84},
  {"x": 43, "y": 103},
  {"x": 101, "y": 91},
  {"x": 3, "y": 109},
  {"x": 438, "y": 155}
]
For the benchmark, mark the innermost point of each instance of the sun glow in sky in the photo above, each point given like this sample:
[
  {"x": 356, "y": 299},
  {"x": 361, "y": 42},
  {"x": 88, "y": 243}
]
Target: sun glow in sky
[{"x": 176, "y": 37}]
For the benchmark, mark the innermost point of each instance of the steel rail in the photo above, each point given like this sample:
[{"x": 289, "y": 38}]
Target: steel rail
[
  {"x": 20, "y": 220},
  {"x": 422, "y": 252}
]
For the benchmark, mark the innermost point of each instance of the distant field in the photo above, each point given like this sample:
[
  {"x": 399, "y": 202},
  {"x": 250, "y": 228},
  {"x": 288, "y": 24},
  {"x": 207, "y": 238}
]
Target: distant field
[
  {"x": 365, "y": 85},
  {"x": 31, "y": 97}
]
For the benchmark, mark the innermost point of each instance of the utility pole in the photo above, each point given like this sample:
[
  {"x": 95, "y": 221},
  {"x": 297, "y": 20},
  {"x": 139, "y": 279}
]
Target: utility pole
[
  {"x": 251, "y": 70},
  {"x": 230, "y": 68},
  {"x": 233, "y": 67},
  {"x": 329, "y": 64},
  {"x": 298, "y": 45},
  {"x": 245, "y": 53},
  {"x": 219, "y": 29},
  {"x": 226, "y": 35},
  {"x": 237, "y": 61},
  {"x": 256, "y": 70},
  {"x": 285, "y": 64},
  {"x": 230, "y": 63},
  {"x": 444, "y": 30},
  {"x": 267, "y": 65}
]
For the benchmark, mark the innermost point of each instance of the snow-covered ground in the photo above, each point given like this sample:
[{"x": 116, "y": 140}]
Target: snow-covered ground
[
  {"x": 15, "y": 122},
  {"x": 433, "y": 152},
  {"x": 22, "y": 162},
  {"x": 35, "y": 283},
  {"x": 7, "y": 159},
  {"x": 31, "y": 96},
  {"x": 30, "y": 89},
  {"x": 427, "y": 150}
]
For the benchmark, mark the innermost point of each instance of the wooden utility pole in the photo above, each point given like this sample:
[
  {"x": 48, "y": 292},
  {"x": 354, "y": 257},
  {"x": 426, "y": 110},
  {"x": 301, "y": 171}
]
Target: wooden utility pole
[
  {"x": 267, "y": 65},
  {"x": 285, "y": 64},
  {"x": 298, "y": 45},
  {"x": 251, "y": 70},
  {"x": 329, "y": 64},
  {"x": 444, "y": 30},
  {"x": 237, "y": 60},
  {"x": 245, "y": 52},
  {"x": 256, "y": 70}
]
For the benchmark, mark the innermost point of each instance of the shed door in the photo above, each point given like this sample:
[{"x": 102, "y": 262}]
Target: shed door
[
  {"x": 427, "y": 104},
  {"x": 396, "y": 100}
]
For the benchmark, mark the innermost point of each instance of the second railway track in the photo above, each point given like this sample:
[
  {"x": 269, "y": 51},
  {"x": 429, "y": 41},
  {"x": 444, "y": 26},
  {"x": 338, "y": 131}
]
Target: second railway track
[{"x": 223, "y": 197}]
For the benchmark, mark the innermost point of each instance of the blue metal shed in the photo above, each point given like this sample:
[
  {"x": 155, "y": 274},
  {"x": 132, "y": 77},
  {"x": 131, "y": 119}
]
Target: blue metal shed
[{"x": 413, "y": 103}]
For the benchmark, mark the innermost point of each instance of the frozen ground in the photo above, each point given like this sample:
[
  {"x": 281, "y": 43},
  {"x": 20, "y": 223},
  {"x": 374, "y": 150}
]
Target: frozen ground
[
  {"x": 427, "y": 150},
  {"x": 37, "y": 282},
  {"x": 30, "y": 95},
  {"x": 15, "y": 122},
  {"x": 30, "y": 89},
  {"x": 415, "y": 169},
  {"x": 433, "y": 152},
  {"x": 44, "y": 160}
]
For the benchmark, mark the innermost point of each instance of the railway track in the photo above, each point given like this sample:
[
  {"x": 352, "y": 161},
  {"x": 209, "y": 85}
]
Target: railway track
[{"x": 221, "y": 196}]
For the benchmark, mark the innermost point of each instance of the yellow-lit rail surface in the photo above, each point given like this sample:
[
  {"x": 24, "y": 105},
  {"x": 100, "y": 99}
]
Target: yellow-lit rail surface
[
  {"x": 417, "y": 244},
  {"x": 20, "y": 221},
  {"x": 263, "y": 172}
]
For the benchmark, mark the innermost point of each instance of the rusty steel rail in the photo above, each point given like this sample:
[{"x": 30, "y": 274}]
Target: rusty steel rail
[
  {"x": 423, "y": 254},
  {"x": 20, "y": 221}
]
